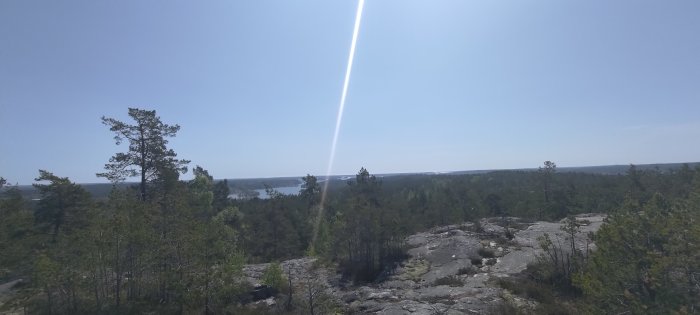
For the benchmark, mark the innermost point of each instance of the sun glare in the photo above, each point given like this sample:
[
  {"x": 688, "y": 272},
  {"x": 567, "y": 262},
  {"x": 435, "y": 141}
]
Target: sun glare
[{"x": 341, "y": 108}]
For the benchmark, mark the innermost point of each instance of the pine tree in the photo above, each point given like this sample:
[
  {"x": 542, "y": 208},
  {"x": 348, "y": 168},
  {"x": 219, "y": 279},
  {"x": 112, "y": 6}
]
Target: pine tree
[
  {"x": 63, "y": 204},
  {"x": 148, "y": 155}
]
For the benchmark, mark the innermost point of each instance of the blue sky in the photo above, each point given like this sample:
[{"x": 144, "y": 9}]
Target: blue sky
[{"x": 438, "y": 85}]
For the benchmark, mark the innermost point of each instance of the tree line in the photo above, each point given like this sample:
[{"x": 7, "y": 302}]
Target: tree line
[{"x": 172, "y": 246}]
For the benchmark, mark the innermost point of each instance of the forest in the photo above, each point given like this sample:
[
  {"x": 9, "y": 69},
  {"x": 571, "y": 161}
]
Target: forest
[{"x": 172, "y": 246}]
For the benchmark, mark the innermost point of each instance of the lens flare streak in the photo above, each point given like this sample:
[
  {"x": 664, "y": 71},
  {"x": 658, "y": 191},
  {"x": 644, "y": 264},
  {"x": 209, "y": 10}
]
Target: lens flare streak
[{"x": 341, "y": 108}]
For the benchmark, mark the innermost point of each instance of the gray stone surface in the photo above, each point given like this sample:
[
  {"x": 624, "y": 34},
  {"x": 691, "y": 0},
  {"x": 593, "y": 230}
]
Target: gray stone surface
[
  {"x": 441, "y": 252},
  {"x": 6, "y": 294}
]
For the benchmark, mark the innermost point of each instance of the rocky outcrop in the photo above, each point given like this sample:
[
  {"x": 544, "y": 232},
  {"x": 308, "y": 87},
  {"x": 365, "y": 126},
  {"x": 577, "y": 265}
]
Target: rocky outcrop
[
  {"x": 449, "y": 270},
  {"x": 6, "y": 293}
]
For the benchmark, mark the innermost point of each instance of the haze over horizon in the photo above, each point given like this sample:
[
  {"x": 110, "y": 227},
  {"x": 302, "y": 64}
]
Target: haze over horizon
[{"x": 438, "y": 86}]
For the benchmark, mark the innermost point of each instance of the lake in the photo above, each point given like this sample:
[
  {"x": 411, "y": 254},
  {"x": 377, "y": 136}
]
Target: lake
[{"x": 291, "y": 190}]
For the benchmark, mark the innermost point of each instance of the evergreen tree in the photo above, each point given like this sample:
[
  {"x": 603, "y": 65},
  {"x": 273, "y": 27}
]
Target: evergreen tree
[
  {"x": 221, "y": 193},
  {"x": 63, "y": 204},
  {"x": 201, "y": 192},
  {"x": 547, "y": 172},
  {"x": 148, "y": 154},
  {"x": 17, "y": 236},
  {"x": 310, "y": 190},
  {"x": 646, "y": 261}
]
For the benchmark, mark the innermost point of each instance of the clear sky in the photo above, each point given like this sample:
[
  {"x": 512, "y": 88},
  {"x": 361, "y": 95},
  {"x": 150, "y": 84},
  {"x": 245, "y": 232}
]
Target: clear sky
[{"x": 438, "y": 85}]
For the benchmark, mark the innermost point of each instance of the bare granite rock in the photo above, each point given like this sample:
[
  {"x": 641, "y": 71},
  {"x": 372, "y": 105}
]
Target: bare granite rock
[
  {"x": 444, "y": 251},
  {"x": 448, "y": 251}
]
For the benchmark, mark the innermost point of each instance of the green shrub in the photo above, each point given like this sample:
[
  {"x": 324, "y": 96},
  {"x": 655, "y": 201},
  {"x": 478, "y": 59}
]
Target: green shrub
[
  {"x": 476, "y": 261},
  {"x": 509, "y": 234},
  {"x": 503, "y": 308},
  {"x": 529, "y": 289},
  {"x": 468, "y": 270},
  {"x": 502, "y": 240},
  {"x": 274, "y": 278},
  {"x": 486, "y": 252},
  {"x": 478, "y": 228}
]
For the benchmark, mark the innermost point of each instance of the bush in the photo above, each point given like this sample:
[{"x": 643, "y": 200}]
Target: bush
[
  {"x": 452, "y": 281},
  {"x": 509, "y": 234},
  {"x": 478, "y": 228},
  {"x": 503, "y": 308},
  {"x": 476, "y": 261},
  {"x": 503, "y": 241},
  {"x": 486, "y": 252},
  {"x": 509, "y": 285},
  {"x": 469, "y": 270},
  {"x": 274, "y": 278},
  {"x": 528, "y": 289}
]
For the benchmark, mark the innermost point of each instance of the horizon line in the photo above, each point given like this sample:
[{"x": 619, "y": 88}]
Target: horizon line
[{"x": 401, "y": 173}]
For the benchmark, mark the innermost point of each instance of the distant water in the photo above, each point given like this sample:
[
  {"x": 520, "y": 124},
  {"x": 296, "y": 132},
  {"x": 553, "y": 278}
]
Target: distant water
[
  {"x": 294, "y": 190},
  {"x": 291, "y": 190}
]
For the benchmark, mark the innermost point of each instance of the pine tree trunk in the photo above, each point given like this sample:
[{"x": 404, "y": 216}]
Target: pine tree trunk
[
  {"x": 142, "y": 152},
  {"x": 49, "y": 300},
  {"x": 117, "y": 270}
]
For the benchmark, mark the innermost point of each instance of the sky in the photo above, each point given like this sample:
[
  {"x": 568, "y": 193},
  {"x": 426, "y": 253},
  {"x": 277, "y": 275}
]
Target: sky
[{"x": 437, "y": 85}]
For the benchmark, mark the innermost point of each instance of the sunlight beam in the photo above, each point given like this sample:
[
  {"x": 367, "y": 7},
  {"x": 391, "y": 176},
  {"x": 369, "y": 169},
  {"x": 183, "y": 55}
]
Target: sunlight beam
[{"x": 339, "y": 119}]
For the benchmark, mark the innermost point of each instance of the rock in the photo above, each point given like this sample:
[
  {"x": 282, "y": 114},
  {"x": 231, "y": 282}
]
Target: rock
[
  {"x": 397, "y": 284},
  {"x": 457, "y": 233},
  {"x": 6, "y": 293},
  {"x": 444, "y": 229},
  {"x": 432, "y": 294},
  {"x": 369, "y": 306},
  {"x": 380, "y": 296},
  {"x": 417, "y": 240},
  {"x": 269, "y": 302},
  {"x": 439, "y": 253},
  {"x": 350, "y": 297}
]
